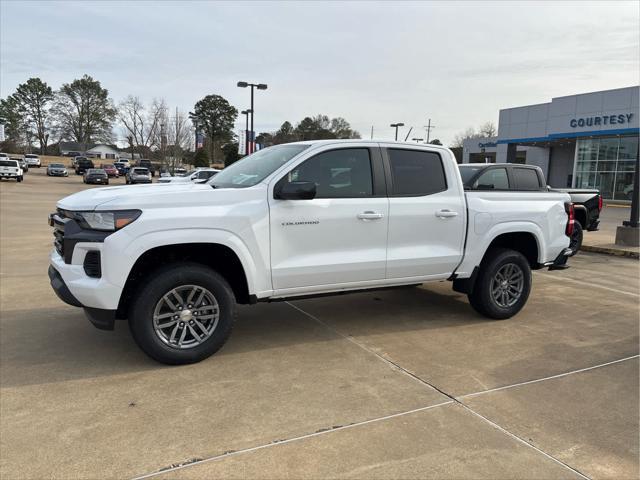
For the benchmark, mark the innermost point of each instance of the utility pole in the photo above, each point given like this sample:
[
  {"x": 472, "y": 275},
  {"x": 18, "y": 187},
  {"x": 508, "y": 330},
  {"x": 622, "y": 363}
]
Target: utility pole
[
  {"x": 428, "y": 128},
  {"x": 371, "y": 132}
]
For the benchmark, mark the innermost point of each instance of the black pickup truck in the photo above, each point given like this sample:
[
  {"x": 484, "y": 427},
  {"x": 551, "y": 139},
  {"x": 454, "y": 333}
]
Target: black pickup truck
[{"x": 587, "y": 203}]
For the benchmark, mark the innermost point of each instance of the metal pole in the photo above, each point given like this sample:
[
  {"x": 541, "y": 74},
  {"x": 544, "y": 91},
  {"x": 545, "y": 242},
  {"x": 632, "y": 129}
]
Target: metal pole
[
  {"x": 396, "y": 133},
  {"x": 371, "y": 132},
  {"x": 252, "y": 145},
  {"x": 428, "y": 130},
  {"x": 246, "y": 133},
  {"x": 635, "y": 197}
]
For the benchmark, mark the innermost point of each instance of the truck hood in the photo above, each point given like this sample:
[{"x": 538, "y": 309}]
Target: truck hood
[{"x": 155, "y": 195}]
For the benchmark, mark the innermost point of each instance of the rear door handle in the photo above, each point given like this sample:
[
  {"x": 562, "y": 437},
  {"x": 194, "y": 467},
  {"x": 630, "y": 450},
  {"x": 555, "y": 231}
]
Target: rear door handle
[
  {"x": 446, "y": 214},
  {"x": 369, "y": 215}
]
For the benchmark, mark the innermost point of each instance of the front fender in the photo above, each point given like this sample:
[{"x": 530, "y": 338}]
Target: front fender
[{"x": 125, "y": 258}]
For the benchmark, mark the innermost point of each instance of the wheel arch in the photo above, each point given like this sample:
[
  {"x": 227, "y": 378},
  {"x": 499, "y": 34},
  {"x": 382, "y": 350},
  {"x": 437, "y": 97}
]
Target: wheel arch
[{"x": 220, "y": 257}]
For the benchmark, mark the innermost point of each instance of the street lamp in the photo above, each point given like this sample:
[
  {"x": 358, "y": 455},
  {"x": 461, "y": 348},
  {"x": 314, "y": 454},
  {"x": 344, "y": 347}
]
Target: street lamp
[
  {"x": 259, "y": 86},
  {"x": 418, "y": 140},
  {"x": 396, "y": 125},
  {"x": 246, "y": 129}
]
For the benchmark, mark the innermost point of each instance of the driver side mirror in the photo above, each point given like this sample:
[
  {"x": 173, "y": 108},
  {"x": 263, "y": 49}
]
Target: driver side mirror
[{"x": 296, "y": 191}]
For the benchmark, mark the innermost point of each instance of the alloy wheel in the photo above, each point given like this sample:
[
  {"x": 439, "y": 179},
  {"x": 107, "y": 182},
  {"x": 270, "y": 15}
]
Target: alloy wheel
[
  {"x": 507, "y": 285},
  {"x": 186, "y": 316}
]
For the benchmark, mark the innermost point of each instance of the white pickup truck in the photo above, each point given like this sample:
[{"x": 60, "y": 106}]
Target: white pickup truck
[{"x": 295, "y": 220}]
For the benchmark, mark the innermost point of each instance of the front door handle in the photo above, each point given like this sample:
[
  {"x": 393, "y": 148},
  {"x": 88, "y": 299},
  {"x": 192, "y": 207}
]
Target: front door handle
[
  {"x": 446, "y": 214},
  {"x": 369, "y": 215}
]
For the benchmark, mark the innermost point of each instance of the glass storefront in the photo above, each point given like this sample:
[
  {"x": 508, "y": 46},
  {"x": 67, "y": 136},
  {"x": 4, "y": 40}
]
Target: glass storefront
[{"x": 607, "y": 164}]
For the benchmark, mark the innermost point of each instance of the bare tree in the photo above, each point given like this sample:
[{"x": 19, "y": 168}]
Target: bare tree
[
  {"x": 142, "y": 125},
  {"x": 459, "y": 139},
  {"x": 488, "y": 129},
  {"x": 180, "y": 135}
]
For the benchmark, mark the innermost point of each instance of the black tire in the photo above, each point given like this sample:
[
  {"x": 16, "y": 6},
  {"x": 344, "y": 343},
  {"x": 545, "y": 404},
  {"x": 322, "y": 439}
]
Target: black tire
[
  {"x": 575, "y": 242},
  {"x": 482, "y": 299},
  {"x": 18, "y": 179},
  {"x": 159, "y": 283}
]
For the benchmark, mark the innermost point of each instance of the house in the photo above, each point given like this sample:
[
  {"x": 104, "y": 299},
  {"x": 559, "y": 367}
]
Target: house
[
  {"x": 103, "y": 151},
  {"x": 94, "y": 150}
]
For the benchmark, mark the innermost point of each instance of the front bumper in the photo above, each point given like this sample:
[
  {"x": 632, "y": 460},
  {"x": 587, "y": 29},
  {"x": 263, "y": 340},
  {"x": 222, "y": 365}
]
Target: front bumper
[{"x": 100, "y": 318}]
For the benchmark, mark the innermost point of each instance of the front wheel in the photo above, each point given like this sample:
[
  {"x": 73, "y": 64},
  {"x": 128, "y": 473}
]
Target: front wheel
[
  {"x": 183, "y": 314},
  {"x": 503, "y": 284},
  {"x": 576, "y": 239}
]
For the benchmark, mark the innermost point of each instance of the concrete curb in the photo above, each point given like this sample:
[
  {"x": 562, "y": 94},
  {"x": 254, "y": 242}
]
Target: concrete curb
[{"x": 610, "y": 251}]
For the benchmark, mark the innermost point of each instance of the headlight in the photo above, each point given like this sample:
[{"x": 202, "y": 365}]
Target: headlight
[{"x": 107, "y": 221}]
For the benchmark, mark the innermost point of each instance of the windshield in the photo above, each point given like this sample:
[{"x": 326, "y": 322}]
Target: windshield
[
  {"x": 140, "y": 171},
  {"x": 8, "y": 163},
  {"x": 256, "y": 167},
  {"x": 467, "y": 173},
  {"x": 187, "y": 174},
  {"x": 56, "y": 165}
]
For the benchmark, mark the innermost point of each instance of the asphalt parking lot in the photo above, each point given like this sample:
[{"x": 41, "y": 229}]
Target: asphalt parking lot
[{"x": 407, "y": 383}]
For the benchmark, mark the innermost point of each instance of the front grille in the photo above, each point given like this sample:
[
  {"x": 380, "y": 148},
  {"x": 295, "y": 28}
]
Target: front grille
[
  {"x": 92, "y": 264},
  {"x": 58, "y": 222}
]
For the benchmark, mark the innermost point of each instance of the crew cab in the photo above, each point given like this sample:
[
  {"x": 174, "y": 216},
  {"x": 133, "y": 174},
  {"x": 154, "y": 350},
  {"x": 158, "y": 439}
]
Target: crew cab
[
  {"x": 587, "y": 203},
  {"x": 296, "y": 220}
]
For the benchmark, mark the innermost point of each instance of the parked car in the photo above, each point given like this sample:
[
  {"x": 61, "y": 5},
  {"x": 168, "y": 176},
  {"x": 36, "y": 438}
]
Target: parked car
[
  {"x": 138, "y": 175},
  {"x": 199, "y": 175},
  {"x": 83, "y": 164},
  {"x": 96, "y": 176},
  {"x": 32, "y": 160},
  {"x": 298, "y": 219},
  {"x": 178, "y": 171},
  {"x": 111, "y": 170},
  {"x": 10, "y": 169},
  {"x": 143, "y": 162},
  {"x": 73, "y": 154},
  {"x": 122, "y": 167},
  {"x": 507, "y": 176},
  {"x": 57, "y": 170},
  {"x": 23, "y": 163}
]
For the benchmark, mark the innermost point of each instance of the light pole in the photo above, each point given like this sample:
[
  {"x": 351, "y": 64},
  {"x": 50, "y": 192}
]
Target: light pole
[
  {"x": 259, "y": 86},
  {"x": 246, "y": 130},
  {"x": 396, "y": 125},
  {"x": 418, "y": 140}
]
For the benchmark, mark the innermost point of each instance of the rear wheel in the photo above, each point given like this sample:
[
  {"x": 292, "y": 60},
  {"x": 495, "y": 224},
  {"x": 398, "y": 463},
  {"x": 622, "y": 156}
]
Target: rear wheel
[
  {"x": 183, "y": 314},
  {"x": 19, "y": 179},
  {"x": 576, "y": 239},
  {"x": 503, "y": 284}
]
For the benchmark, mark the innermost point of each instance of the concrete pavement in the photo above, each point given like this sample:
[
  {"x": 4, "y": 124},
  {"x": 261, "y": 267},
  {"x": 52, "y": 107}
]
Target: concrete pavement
[{"x": 404, "y": 383}]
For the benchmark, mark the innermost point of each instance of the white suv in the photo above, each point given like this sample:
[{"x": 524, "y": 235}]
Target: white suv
[
  {"x": 32, "y": 160},
  {"x": 10, "y": 168}
]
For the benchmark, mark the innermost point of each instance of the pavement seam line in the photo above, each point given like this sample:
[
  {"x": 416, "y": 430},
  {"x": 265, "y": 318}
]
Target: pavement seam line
[
  {"x": 560, "y": 375},
  {"x": 453, "y": 398},
  {"x": 292, "y": 439},
  {"x": 580, "y": 282}
]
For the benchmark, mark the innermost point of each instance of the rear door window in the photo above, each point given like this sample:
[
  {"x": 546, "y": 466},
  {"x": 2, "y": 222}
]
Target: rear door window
[
  {"x": 526, "y": 179},
  {"x": 416, "y": 173}
]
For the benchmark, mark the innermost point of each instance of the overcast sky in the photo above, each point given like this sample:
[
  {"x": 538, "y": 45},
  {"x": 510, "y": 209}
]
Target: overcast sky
[{"x": 371, "y": 63}]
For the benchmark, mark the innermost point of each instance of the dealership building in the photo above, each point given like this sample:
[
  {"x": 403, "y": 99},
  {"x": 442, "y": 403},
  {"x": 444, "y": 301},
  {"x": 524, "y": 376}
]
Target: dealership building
[{"x": 588, "y": 140}]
